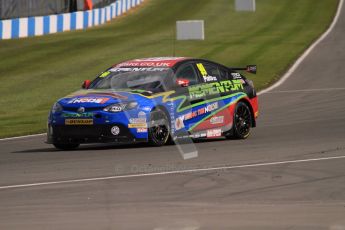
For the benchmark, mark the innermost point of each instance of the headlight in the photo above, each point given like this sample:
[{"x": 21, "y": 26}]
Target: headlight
[
  {"x": 56, "y": 108},
  {"x": 114, "y": 108}
]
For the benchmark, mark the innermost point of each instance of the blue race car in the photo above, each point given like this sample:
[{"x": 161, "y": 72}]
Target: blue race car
[{"x": 156, "y": 100}]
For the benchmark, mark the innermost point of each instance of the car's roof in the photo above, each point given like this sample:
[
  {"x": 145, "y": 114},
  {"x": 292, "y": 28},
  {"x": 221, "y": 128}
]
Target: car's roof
[{"x": 162, "y": 62}]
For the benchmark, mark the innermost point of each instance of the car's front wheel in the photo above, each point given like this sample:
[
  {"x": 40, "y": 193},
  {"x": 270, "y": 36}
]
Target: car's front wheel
[
  {"x": 242, "y": 121},
  {"x": 159, "y": 128},
  {"x": 63, "y": 146}
]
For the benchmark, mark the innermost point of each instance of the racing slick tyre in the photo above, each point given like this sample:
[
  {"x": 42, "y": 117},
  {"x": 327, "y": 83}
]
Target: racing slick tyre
[
  {"x": 62, "y": 146},
  {"x": 242, "y": 121},
  {"x": 159, "y": 128}
]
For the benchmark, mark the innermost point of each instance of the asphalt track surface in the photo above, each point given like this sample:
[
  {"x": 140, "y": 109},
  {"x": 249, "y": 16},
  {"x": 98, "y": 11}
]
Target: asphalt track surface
[{"x": 299, "y": 184}]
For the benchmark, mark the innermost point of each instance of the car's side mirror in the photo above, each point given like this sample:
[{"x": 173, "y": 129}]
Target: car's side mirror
[
  {"x": 86, "y": 84},
  {"x": 182, "y": 82}
]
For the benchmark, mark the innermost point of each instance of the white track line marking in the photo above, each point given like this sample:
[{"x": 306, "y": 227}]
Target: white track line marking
[
  {"x": 306, "y": 53},
  {"x": 306, "y": 90},
  {"x": 281, "y": 80},
  {"x": 21, "y": 137},
  {"x": 170, "y": 172}
]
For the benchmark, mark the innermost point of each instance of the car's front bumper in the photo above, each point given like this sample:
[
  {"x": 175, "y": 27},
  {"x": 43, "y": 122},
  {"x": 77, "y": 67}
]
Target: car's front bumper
[
  {"x": 90, "y": 134},
  {"x": 99, "y": 129}
]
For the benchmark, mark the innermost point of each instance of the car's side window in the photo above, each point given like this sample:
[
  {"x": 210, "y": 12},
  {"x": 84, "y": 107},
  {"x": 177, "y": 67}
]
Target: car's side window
[
  {"x": 228, "y": 74},
  {"x": 211, "y": 72},
  {"x": 187, "y": 72},
  {"x": 224, "y": 75}
]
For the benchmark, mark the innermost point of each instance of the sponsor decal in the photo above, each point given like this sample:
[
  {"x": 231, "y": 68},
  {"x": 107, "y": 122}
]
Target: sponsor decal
[
  {"x": 194, "y": 135},
  {"x": 138, "y": 125},
  {"x": 211, "y": 107},
  {"x": 141, "y": 130},
  {"x": 137, "y": 120},
  {"x": 96, "y": 100},
  {"x": 190, "y": 115},
  {"x": 145, "y": 64},
  {"x": 151, "y": 69},
  {"x": 214, "y": 133},
  {"x": 106, "y": 73},
  {"x": 76, "y": 115},
  {"x": 202, "y": 69},
  {"x": 236, "y": 75},
  {"x": 207, "y": 109},
  {"x": 79, "y": 122},
  {"x": 159, "y": 59},
  {"x": 81, "y": 110},
  {"x": 116, "y": 108},
  {"x": 203, "y": 135},
  {"x": 151, "y": 62},
  {"x": 214, "y": 88},
  {"x": 179, "y": 123},
  {"x": 142, "y": 114},
  {"x": 217, "y": 120},
  {"x": 209, "y": 78}
]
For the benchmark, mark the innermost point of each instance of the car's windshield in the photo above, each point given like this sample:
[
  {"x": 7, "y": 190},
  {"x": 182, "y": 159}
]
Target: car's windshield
[{"x": 148, "y": 79}]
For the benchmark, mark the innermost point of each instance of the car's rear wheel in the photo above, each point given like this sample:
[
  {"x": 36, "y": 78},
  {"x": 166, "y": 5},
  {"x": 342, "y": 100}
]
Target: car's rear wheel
[
  {"x": 64, "y": 146},
  {"x": 159, "y": 128},
  {"x": 242, "y": 121}
]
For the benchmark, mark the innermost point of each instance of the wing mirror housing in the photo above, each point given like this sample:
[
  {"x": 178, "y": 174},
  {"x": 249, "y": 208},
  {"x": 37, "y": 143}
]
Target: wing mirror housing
[
  {"x": 86, "y": 84},
  {"x": 182, "y": 82}
]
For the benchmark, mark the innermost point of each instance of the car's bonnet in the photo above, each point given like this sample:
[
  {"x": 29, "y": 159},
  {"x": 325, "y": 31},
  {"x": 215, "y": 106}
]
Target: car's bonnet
[{"x": 96, "y": 98}]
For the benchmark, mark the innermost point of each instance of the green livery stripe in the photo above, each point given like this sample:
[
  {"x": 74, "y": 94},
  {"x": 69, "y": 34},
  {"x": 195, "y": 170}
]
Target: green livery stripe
[{"x": 179, "y": 109}]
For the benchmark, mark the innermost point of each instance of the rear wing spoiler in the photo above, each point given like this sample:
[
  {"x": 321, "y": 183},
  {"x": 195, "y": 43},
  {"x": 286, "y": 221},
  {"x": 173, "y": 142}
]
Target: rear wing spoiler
[{"x": 248, "y": 68}]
